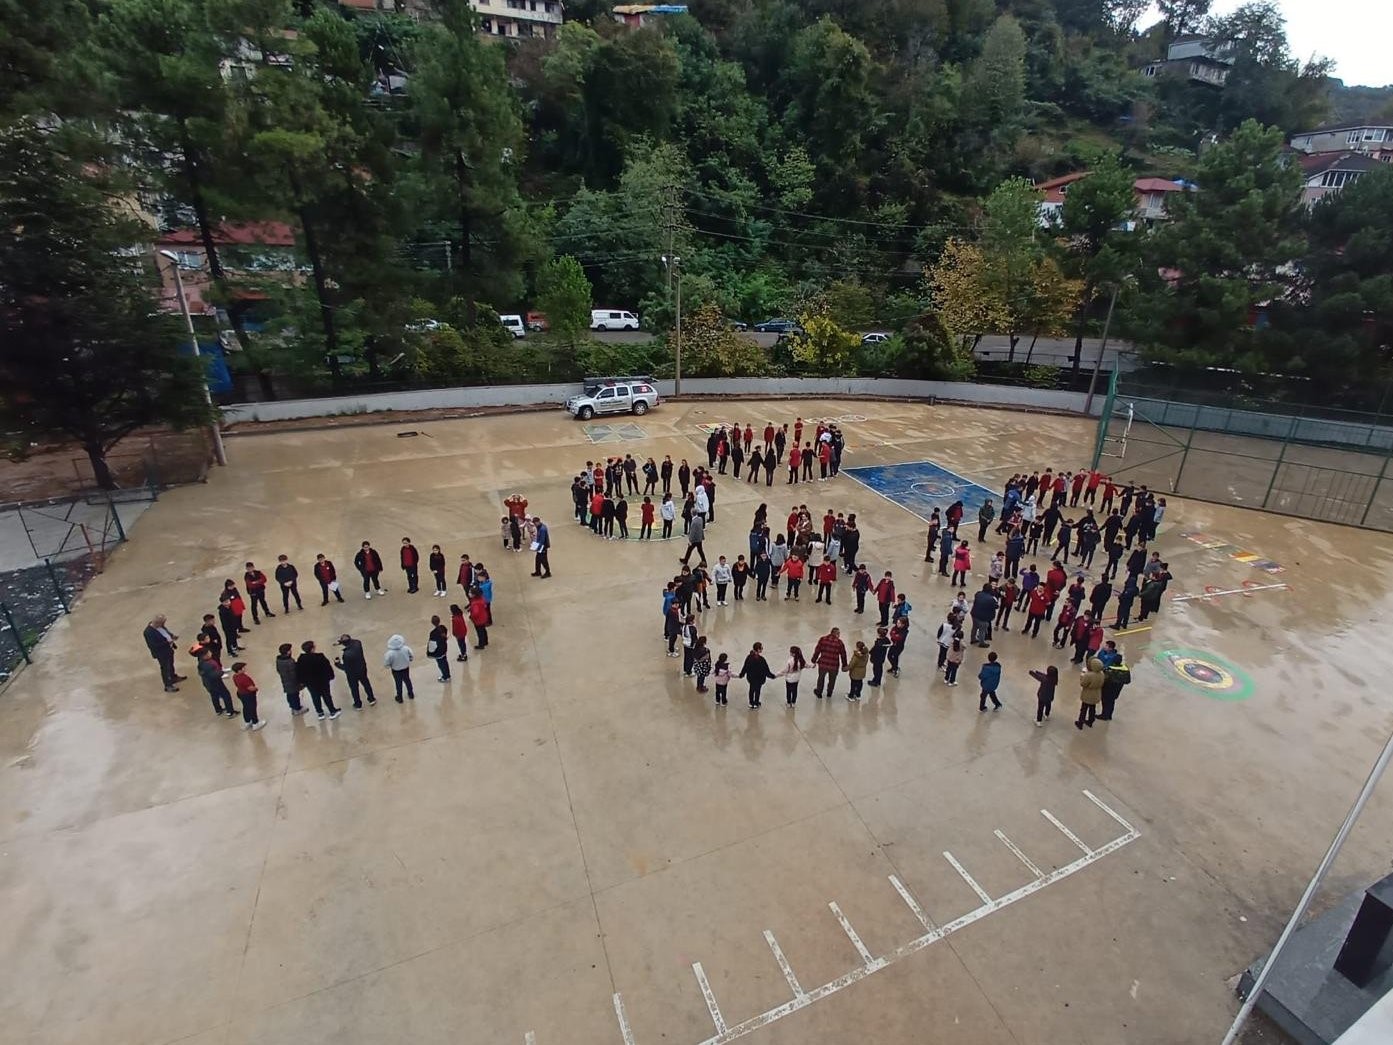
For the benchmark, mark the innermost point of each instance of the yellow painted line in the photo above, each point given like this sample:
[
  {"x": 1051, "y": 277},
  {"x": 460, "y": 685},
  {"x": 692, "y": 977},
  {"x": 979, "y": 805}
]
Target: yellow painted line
[{"x": 1134, "y": 631}]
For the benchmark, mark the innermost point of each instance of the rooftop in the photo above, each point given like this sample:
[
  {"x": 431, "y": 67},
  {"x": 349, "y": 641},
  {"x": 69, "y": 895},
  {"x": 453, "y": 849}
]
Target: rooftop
[{"x": 264, "y": 233}]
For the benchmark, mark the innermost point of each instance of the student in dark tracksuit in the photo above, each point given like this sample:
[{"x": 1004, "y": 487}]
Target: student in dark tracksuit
[
  {"x": 880, "y": 648},
  {"x": 229, "y": 622},
  {"x": 438, "y": 648},
  {"x": 756, "y": 672},
  {"x": 256, "y": 592},
  {"x": 210, "y": 674},
  {"x": 288, "y": 577},
  {"x": 437, "y": 570},
  {"x": 369, "y": 566},
  {"x": 1044, "y": 696},
  {"x": 411, "y": 565}
]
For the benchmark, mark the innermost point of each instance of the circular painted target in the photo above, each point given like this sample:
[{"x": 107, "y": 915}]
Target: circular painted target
[
  {"x": 933, "y": 489},
  {"x": 1209, "y": 674}
]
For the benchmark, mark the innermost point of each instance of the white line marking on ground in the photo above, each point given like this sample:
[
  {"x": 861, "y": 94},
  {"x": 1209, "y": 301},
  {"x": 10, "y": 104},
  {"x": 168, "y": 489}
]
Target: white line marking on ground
[
  {"x": 710, "y": 997},
  {"x": 1231, "y": 591},
  {"x": 1029, "y": 863},
  {"x": 793, "y": 984},
  {"x": 623, "y": 1020},
  {"x": 866, "y": 959},
  {"x": 1067, "y": 833},
  {"x": 912, "y": 903},
  {"x": 966, "y": 877},
  {"x": 914, "y": 946}
]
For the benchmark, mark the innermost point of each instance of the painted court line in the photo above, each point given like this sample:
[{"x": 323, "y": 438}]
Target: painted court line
[
  {"x": 623, "y": 1020},
  {"x": 710, "y": 997},
  {"x": 1029, "y": 863},
  {"x": 866, "y": 958},
  {"x": 785, "y": 968},
  {"x": 966, "y": 877},
  {"x": 871, "y": 965},
  {"x": 1232, "y": 591},
  {"x": 1067, "y": 833},
  {"x": 912, "y": 903},
  {"x": 1135, "y": 631}
]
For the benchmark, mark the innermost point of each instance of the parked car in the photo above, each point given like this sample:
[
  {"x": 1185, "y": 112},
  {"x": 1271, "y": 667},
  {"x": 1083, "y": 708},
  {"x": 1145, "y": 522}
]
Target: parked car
[
  {"x": 614, "y": 395},
  {"x": 536, "y": 321},
  {"x": 612, "y": 319},
  {"x": 425, "y": 326},
  {"x": 776, "y": 326},
  {"x": 737, "y": 324},
  {"x": 513, "y": 324},
  {"x": 875, "y": 337}
]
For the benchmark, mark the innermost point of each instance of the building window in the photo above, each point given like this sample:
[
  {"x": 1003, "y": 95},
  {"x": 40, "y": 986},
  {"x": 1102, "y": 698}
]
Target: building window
[
  {"x": 486, "y": 24},
  {"x": 1338, "y": 179},
  {"x": 1150, "y": 70},
  {"x": 517, "y": 5}
]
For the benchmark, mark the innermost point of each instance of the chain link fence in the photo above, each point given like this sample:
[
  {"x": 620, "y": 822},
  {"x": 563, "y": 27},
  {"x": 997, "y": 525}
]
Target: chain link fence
[{"x": 1221, "y": 439}]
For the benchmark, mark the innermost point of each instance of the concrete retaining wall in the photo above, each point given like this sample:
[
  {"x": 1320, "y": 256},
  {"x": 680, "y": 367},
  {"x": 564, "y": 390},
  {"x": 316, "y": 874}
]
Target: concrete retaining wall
[{"x": 545, "y": 395}]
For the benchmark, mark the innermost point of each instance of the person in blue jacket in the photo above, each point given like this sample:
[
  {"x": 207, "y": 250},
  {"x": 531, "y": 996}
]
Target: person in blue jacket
[{"x": 990, "y": 677}]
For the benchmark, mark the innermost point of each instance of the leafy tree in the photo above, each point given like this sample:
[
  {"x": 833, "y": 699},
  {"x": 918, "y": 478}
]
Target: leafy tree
[
  {"x": 631, "y": 95},
  {"x": 831, "y": 107},
  {"x": 959, "y": 286},
  {"x": 996, "y": 83},
  {"x": 850, "y": 303},
  {"x": 44, "y": 64},
  {"x": 825, "y": 347},
  {"x": 1097, "y": 210},
  {"x": 471, "y": 138},
  {"x": 1337, "y": 328},
  {"x": 1012, "y": 248},
  {"x": 1182, "y": 16},
  {"x": 85, "y": 354},
  {"x": 1228, "y": 247},
  {"x": 563, "y": 293},
  {"x": 1266, "y": 83},
  {"x": 710, "y": 348}
]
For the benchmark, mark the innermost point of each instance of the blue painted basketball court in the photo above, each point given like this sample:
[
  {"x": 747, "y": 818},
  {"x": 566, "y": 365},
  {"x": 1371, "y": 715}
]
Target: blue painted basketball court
[{"x": 922, "y": 486}]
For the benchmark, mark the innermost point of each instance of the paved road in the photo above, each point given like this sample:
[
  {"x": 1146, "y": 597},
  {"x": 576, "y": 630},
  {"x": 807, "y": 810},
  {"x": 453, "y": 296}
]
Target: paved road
[{"x": 619, "y": 337}]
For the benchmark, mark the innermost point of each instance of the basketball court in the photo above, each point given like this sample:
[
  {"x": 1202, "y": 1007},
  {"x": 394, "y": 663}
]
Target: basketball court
[{"x": 567, "y": 845}]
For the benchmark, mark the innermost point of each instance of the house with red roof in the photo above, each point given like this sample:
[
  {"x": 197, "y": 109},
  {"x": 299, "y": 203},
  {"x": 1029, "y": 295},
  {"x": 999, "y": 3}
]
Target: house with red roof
[
  {"x": 264, "y": 249},
  {"x": 1151, "y": 196}
]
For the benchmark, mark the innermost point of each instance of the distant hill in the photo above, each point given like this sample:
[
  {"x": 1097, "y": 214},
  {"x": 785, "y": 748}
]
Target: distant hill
[{"x": 1358, "y": 104}]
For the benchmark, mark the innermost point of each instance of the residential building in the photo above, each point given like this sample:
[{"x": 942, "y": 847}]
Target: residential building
[
  {"x": 1324, "y": 174},
  {"x": 519, "y": 19},
  {"x": 1370, "y": 138},
  {"x": 1151, "y": 196},
  {"x": 1196, "y": 59},
  {"x": 636, "y": 16},
  {"x": 265, "y": 248}
]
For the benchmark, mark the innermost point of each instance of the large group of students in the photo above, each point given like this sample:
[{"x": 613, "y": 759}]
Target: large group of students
[
  {"x": 804, "y": 552},
  {"x": 1049, "y": 514},
  {"x": 221, "y": 635}
]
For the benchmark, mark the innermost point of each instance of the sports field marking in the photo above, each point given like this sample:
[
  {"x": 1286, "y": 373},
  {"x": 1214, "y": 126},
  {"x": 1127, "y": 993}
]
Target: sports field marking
[
  {"x": 1253, "y": 559},
  {"x": 1245, "y": 590},
  {"x": 1135, "y": 631},
  {"x": 870, "y": 964},
  {"x": 921, "y": 486},
  {"x": 1029, "y": 863}
]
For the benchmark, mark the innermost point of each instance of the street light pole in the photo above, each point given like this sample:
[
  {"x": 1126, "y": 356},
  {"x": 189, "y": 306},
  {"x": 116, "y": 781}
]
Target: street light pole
[
  {"x": 219, "y": 453},
  {"x": 1098, "y": 363},
  {"x": 674, "y": 265}
]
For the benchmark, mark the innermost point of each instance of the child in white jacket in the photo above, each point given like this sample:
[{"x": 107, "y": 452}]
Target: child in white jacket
[{"x": 721, "y": 575}]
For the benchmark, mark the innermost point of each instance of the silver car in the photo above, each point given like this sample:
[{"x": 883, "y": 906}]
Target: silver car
[{"x": 613, "y": 397}]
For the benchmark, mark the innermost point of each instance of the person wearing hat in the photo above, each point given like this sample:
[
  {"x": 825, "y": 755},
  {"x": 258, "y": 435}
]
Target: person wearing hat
[{"x": 355, "y": 669}]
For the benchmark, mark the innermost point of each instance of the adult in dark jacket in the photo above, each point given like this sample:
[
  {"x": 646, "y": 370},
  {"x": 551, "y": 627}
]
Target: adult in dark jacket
[
  {"x": 756, "y": 672},
  {"x": 315, "y": 672},
  {"x": 161, "y": 642},
  {"x": 1150, "y": 598},
  {"x": 983, "y": 613},
  {"x": 290, "y": 678},
  {"x": 228, "y": 619},
  {"x": 210, "y": 674},
  {"x": 1015, "y": 548},
  {"x": 369, "y": 566},
  {"x": 1099, "y": 597},
  {"x": 354, "y": 666},
  {"x": 541, "y": 561},
  {"x": 288, "y": 577},
  {"x": 851, "y": 544}
]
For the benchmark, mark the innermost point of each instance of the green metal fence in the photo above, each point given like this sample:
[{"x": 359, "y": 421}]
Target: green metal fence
[{"x": 1214, "y": 442}]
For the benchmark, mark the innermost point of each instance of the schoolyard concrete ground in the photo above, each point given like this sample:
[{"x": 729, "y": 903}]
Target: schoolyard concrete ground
[{"x": 567, "y": 845}]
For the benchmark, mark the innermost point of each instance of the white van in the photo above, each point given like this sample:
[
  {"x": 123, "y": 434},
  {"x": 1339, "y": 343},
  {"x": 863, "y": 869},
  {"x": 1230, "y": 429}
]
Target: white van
[
  {"x": 612, "y": 319},
  {"x": 513, "y": 325}
]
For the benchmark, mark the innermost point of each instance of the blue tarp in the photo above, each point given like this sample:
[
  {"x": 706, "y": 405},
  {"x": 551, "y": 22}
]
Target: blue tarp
[{"x": 219, "y": 379}]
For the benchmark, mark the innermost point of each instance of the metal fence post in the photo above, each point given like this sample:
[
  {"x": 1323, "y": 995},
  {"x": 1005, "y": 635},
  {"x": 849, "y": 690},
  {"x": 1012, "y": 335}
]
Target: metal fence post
[
  {"x": 116, "y": 517},
  {"x": 1281, "y": 456},
  {"x": 1185, "y": 454},
  {"x": 1373, "y": 494},
  {"x": 1105, "y": 418},
  {"x": 14, "y": 630},
  {"x": 57, "y": 586}
]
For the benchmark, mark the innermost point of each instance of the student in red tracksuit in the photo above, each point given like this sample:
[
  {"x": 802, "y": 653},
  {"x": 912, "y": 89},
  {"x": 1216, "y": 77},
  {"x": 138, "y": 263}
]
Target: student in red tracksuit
[
  {"x": 826, "y": 577},
  {"x": 326, "y": 575},
  {"x": 411, "y": 565},
  {"x": 459, "y": 628},
  {"x": 828, "y": 521},
  {"x": 798, "y": 432},
  {"x": 646, "y": 515},
  {"x": 885, "y": 597},
  {"x": 1076, "y": 488},
  {"x": 824, "y": 458},
  {"x": 465, "y": 577},
  {"x": 1038, "y": 606},
  {"x": 597, "y": 508},
  {"x": 479, "y": 614},
  {"x": 1095, "y": 478},
  {"x": 795, "y": 458}
]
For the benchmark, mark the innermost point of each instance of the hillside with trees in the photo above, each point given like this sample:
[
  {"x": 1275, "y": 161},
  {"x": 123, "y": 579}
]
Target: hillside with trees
[{"x": 850, "y": 164}]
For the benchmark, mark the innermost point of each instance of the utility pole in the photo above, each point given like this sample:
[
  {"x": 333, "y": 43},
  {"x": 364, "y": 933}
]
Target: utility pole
[
  {"x": 219, "y": 453},
  {"x": 1098, "y": 363},
  {"x": 674, "y": 265}
]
